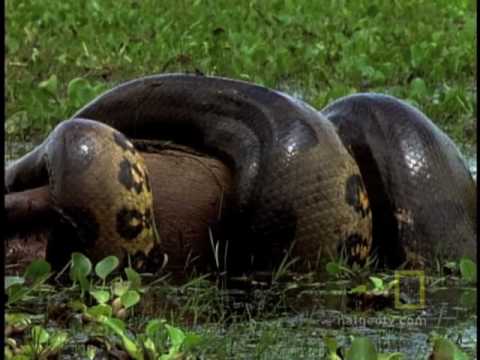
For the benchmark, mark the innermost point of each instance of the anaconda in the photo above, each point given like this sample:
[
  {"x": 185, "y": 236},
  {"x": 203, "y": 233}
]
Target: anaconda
[
  {"x": 422, "y": 195},
  {"x": 295, "y": 184},
  {"x": 99, "y": 187}
]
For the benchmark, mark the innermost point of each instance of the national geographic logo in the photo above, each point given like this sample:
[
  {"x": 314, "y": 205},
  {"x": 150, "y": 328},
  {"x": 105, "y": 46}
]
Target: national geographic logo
[{"x": 409, "y": 290}]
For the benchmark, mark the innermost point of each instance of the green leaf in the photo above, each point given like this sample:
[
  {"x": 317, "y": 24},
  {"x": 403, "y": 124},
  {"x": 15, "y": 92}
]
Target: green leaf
[
  {"x": 81, "y": 266},
  {"x": 150, "y": 347},
  {"x": 134, "y": 278},
  {"x": 100, "y": 310},
  {"x": 77, "y": 305},
  {"x": 79, "y": 91},
  {"x": 418, "y": 89},
  {"x": 333, "y": 268},
  {"x": 153, "y": 328},
  {"x": 130, "y": 298},
  {"x": 377, "y": 283},
  {"x": 468, "y": 270},
  {"x": 106, "y": 266},
  {"x": 120, "y": 287},
  {"x": 39, "y": 335},
  {"x": 130, "y": 346},
  {"x": 51, "y": 85},
  {"x": 191, "y": 340},
  {"x": 445, "y": 349},
  {"x": 102, "y": 296},
  {"x": 37, "y": 271},
  {"x": 58, "y": 341},
  {"x": 468, "y": 299},
  {"x": 177, "y": 336},
  {"x": 362, "y": 349}
]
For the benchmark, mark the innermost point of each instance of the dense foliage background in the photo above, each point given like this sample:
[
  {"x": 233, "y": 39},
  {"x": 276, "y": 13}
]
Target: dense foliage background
[{"x": 60, "y": 54}]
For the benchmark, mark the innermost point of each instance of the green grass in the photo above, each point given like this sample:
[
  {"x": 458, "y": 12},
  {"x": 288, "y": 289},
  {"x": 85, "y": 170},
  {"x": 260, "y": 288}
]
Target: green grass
[{"x": 422, "y": 51}]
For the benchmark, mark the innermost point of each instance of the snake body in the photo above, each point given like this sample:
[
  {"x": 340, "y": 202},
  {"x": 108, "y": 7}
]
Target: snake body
[
  {"x": 292, "y": 173},
  {"x": 295, "y": 185},
  {"x": 304, "y": 181},
  {"x": 99, "y": 187},
  {"x": 422, "y": 195}
]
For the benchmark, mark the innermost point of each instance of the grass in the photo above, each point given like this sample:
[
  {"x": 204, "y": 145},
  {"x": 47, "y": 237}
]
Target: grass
[{"x": 61, "y": 54}]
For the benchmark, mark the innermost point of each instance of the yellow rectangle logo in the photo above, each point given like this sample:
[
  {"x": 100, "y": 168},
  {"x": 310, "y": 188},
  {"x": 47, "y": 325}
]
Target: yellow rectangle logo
[{"x": 407, "y": 276}]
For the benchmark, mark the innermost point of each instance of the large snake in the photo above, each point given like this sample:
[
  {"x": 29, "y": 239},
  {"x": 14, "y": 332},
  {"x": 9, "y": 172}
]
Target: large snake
[
  {"x": 295, "y": 183},
  {"x": 422, "y": 195}
]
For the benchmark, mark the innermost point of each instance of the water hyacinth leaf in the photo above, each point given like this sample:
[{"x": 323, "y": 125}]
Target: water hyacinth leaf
[
  {"x": 99, "y": 88},
  {"x": 468, "y": 299},
  {"x": 81, "y": 266},
  {"x": 105, "y": 266},
  {"x": 134, "y": 278},
  {"x": 176, "y": 335},
  {"x": 79, "y": 270},
  {"x": 468, "y": 269},
  {"x": 377, "y": 282},
  {"x": 153, "y": 328},
  {"x": 120, "y": 287},
  {"x": 102, "y": 296},
  {"x": 191, "y": 340},
  {"x": 362, "y": 349},
  {"x": 39, "y": 335},
  {"x": 97, "y": 311},
  {"x": 418, "y": 88},
  {"x": 118, "y": 327},
  {"x": 120, "y": 324},
  {"x": 445, "y": 349},
  {"x": 77, "y": 305},
  {"x": 58, "y": 341},
  {"x": 37, "y": 272},
  {"x": 130, "y": 298},
  {"x": 50, "y": 85},
  {"x": 149, "y": 345},
  {"x": 333, "y": 268},
  {"x": 79, "y": 91}
]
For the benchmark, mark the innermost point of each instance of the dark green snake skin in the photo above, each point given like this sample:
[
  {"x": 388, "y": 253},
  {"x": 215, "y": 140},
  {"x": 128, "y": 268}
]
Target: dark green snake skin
[
  {"x": 305, "y": 181},
  {"x": 422, "y": 195}
]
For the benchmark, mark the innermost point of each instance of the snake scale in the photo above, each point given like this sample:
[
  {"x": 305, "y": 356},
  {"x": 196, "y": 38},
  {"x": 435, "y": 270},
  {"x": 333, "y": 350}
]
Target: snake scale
[
  {"x": 422, "y": 195},
  {"x": 299, "y": 186}
]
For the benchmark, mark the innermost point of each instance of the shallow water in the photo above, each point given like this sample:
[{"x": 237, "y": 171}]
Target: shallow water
[{"x": 297, "y": 327}]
